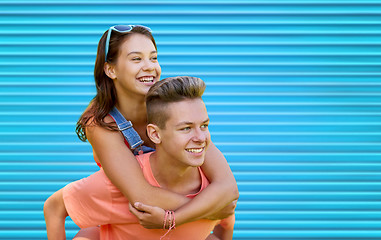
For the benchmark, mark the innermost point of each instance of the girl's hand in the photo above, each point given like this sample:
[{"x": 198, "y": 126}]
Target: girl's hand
[{"x": 149, "y": 216}]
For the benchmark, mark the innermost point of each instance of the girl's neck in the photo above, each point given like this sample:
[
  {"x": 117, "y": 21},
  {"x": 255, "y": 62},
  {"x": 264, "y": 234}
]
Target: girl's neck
[{"x": 133, "y": 109}]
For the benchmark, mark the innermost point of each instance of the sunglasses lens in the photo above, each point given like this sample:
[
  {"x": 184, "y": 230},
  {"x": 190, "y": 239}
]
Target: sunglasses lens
[{"x": 123, "y": 28}]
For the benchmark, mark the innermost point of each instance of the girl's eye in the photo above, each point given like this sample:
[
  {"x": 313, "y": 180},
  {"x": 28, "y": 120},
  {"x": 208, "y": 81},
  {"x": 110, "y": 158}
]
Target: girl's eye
[{"x": 136, "y": 59}]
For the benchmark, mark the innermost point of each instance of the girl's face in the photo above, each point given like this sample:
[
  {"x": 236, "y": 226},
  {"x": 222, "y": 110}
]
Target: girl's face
[{"x": 137, "y": 68}]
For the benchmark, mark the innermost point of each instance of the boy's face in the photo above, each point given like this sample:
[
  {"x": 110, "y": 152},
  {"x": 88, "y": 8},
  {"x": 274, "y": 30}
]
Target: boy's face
[{"x": 186, "y": 135}]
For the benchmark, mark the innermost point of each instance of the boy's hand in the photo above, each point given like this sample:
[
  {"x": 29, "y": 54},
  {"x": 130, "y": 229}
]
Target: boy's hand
[
  {"x": 149, "y": 216},
  {"x": 225, "y": 212}
]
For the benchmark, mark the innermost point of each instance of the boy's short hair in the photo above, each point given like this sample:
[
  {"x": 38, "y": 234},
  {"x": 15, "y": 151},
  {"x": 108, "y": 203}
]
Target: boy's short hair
[{"x": 169, "y": 90}]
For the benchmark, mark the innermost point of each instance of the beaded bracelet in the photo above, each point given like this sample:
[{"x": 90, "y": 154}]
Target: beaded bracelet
[{"x": 170, "y": 221}]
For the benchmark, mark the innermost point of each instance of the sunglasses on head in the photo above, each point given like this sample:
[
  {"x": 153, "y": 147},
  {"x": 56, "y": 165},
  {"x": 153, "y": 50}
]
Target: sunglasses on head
[{"x": 121, "y": 29}]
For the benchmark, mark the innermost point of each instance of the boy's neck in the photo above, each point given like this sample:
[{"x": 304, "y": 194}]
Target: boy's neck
[{"x": 182, "y": 180}]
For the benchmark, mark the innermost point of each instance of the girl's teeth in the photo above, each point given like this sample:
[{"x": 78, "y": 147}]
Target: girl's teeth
[
  {"x": 146, "y": 79},
  {"x": 194, "y": 150}
]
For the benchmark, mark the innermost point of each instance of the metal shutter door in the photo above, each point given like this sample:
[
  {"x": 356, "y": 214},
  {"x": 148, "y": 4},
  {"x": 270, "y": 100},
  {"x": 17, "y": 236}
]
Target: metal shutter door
[{"x": 293, "y": 94}]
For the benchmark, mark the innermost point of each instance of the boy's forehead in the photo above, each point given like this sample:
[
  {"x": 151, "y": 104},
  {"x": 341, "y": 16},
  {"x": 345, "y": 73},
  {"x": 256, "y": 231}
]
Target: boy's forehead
[{"x": 189, "y": 110}]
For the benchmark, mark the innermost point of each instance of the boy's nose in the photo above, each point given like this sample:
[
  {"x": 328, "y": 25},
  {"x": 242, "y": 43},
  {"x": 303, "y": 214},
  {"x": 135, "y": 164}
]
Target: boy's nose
[{"x": 200, "y": 136}]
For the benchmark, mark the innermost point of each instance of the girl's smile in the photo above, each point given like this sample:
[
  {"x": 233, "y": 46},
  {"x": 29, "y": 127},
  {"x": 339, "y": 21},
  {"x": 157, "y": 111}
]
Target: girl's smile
[{"x": 137, "y": 68}]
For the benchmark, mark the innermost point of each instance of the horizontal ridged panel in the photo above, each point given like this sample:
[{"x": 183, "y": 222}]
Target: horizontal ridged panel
[{"x": 293, "y": 93}]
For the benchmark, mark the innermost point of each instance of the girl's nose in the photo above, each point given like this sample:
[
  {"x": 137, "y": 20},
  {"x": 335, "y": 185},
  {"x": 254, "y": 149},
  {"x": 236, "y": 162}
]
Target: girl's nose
[{"x": 148, "y": 66}]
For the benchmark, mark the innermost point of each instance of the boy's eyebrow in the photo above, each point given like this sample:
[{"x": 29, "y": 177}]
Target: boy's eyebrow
[
  {"x": 140, "y": 53},
  {"x": 190, "y": 123}
]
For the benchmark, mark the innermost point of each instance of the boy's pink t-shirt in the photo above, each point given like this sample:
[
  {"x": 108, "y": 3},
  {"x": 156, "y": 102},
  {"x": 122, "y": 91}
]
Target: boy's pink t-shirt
[{"x": 96, "y": 201}]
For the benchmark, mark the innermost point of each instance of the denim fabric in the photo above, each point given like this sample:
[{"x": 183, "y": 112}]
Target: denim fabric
[
  {"x": 129, "y": 133},
  {"x": 144, "y": 149}
]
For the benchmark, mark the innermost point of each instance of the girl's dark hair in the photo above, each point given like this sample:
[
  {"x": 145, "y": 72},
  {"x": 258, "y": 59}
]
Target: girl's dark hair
[{"x": 105, "y": 98}]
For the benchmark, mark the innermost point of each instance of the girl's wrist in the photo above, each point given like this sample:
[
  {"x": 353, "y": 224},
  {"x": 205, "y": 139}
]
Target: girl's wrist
[
  {"x": 182, "y": 217},
  {"x": 169, "y": 222}
]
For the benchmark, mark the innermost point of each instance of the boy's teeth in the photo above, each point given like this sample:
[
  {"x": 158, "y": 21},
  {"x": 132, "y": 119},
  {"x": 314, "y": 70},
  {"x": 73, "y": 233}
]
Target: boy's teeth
[{"x": 194, "y": 150}]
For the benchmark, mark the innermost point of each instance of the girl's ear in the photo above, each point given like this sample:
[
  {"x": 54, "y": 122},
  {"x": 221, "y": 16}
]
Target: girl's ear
[
  {"x": 153, "y": 133},
  {"x": 109, "y": 70}
]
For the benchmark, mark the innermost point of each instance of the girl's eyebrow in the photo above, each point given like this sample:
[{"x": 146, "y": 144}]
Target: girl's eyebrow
[{"x": 140, "y": 53}]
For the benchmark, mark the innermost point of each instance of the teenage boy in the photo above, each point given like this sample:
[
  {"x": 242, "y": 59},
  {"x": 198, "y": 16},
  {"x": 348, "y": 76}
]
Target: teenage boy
[{"x": 178, "y": 125}]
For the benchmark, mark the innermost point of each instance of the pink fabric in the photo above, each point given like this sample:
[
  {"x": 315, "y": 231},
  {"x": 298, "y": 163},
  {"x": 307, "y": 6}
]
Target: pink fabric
[{"x": 96, "y": 201}]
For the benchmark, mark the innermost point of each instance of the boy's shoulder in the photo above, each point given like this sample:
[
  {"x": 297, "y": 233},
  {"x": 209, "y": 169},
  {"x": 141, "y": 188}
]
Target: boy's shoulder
[{"x": 143, "y": 159}]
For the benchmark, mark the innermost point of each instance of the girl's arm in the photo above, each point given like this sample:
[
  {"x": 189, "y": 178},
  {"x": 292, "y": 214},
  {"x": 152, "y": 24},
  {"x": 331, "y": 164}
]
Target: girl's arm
[
  {"x": 221, "y": 191},
  {"x": 123, "y": 170},
  {"x": 216, "y": 201}
]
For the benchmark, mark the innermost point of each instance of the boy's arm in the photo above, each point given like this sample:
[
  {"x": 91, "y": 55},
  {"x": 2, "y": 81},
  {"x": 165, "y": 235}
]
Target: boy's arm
[
  {"x": 224, "y": 230},
  {"x": 220, "y": 233},
  {"x": 55, "y": 214},
  {"x": 90, "y": 233},
  {"x": 212, "y": 236}
]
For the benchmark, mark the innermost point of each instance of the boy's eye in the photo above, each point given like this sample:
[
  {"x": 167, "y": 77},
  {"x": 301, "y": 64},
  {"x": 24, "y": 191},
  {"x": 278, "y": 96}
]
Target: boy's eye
[
  {"x": 185, "y": 128},
  {"x": 204, "y": 126}
]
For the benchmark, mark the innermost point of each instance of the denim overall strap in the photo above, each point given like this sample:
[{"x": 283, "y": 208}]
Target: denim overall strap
[
  {"x": 126, "y": 128},
  {"x": 143, "y": 149}
]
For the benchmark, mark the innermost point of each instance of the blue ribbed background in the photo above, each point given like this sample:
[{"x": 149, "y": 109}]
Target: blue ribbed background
[{"x": 294, "y": 95}]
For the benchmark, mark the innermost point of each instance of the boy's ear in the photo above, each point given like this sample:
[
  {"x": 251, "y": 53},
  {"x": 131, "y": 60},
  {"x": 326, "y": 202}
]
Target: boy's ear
[
  {"x": 109, "y": 70},
  {"x": 153, "y": 133}
]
